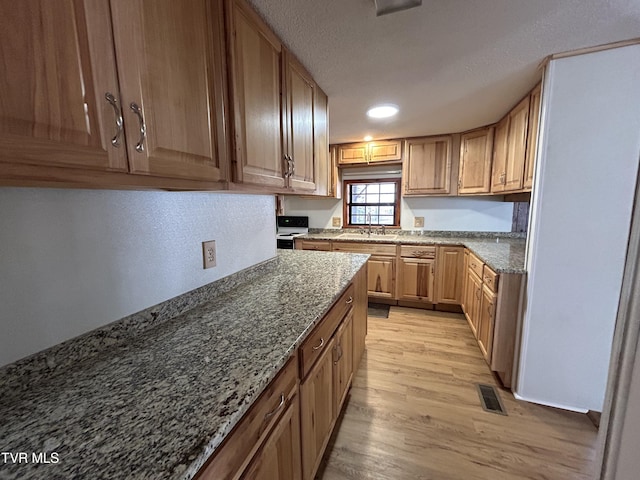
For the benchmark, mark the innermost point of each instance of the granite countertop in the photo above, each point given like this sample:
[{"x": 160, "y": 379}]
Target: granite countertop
[
  {"x": 504, "y": 253},
  {"x": 159, "y": 405}
]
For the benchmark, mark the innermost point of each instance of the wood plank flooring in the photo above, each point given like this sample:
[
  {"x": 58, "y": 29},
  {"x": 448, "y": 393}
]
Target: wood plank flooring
[{"x": 414, "y": 413}]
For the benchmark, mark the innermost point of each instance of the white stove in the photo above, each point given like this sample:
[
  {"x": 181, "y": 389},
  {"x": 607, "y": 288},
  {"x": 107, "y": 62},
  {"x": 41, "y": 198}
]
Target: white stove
[{"x": 289, "y": 228}]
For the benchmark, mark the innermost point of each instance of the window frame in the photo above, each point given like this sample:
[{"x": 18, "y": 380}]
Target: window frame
[{"x": 347, "y": 197}]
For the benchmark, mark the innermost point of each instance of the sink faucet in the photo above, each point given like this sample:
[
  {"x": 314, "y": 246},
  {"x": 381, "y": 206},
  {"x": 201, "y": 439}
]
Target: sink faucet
[{"x": 369, "y": 220}]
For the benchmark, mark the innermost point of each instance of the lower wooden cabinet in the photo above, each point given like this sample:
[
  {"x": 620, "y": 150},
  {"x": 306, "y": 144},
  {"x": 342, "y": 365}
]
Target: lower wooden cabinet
[
  {"x": 361, "y": 300},
  {"x": 449, "y": 275},
  {"x": 318, "y": 415},
  {"x": 343, "y": 362},
  {"x": 485, "y": 322},
  {"x": 416, "y": 279},
  {"x": 280, "y": 455},
  {"x": 382, "y": 273},
  {"x": 473, "y": 286}
]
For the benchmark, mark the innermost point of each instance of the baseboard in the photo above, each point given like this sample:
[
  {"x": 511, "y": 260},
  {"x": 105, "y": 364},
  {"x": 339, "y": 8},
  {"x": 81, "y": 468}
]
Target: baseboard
[{"x": 550, "y": 404}]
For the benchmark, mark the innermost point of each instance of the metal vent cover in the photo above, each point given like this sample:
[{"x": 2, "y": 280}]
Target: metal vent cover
[
  {"x": 384, "y": 7},
  {"x": 490, "y": 399}
]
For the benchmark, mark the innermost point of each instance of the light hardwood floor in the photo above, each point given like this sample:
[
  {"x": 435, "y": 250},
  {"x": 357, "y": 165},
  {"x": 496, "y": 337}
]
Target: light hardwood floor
[{"x": 414, "y": 413}]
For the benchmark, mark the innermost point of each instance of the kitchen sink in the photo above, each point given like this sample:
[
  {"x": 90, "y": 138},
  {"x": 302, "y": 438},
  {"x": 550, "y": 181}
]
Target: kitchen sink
[{"x": 364, "y": 237}]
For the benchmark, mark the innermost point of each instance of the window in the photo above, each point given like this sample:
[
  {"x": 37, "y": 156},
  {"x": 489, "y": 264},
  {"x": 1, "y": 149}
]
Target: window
[{"x": 378, "y": 198}]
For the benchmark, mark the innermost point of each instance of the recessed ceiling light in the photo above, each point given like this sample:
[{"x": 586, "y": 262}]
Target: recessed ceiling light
[
  {"x": 382, "y": 111},
  {"x": 368, "y": 138}
]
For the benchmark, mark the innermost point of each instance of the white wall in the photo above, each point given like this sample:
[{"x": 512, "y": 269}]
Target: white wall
[
  {"x": 74, "y": 260},
  {"x": 440, "y": 213},
  {"x": 580, "y": 217}
]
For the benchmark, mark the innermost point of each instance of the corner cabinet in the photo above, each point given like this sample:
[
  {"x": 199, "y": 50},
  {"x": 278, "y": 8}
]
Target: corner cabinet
[
  {"x": 83, "y": 104},
  {"x": 475, "y": 161},
  {"x": 426, "y": 169}
]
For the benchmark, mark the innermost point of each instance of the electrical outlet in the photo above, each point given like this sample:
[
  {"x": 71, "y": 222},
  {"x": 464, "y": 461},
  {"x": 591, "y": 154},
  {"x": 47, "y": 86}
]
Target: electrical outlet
[
  {"x": 209, "y": 254},
  {"x": 336, "y": 221},
  {"x": 418, "y": 221}
]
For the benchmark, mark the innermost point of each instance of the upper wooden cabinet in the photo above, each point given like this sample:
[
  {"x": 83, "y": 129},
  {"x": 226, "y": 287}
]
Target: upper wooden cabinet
[
  {"x": 426, "y": 169},
  {"x": 170, "y": 70},
  {"x": 256, "y": 70},
  {"x": 64, "y": 105},
  {"x": 510, "y": 149},
  {"x": 532, "y": 137},
  {"x": 323, "y": 161},
  {"x": 299, "y": 131},
  {"x": 370, "y": 152},
  {"x": 475, "y": 161}
]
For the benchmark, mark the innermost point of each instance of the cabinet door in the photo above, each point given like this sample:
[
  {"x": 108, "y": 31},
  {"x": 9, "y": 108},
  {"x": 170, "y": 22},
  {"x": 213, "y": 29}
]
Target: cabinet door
[
  {"x": 449, "y": 275},
  {"x": 317, "y": 415},
  {"x": 321, "y": 144},
  {"x": 472, "y": 302},
  {"x": 532, "y": 136},
  {"x": 517, "y": 146},
  {"x": 359, "y": 316},
  {"x": 426, "y": 169},
  {"x": 170, "y": 69},
  {"x": 371, "y": 152},
  {"x": 486, "y": 316},
  {"x": 299, "y": 105},
  {"x": 58, "y": 64},
  {"x": 335, "y": 185},
  {"x": 381, "y": 276},
  {"x": 280, "y": 455},
  {"x": 464, "y": 280},
  {"x": 343, "y": 362},
  {"x": 499, "y": 168},
  {"x": 475, "y": 161},
  {"x": 416, "y": 279},
  {"x": 255, "y": 63}
]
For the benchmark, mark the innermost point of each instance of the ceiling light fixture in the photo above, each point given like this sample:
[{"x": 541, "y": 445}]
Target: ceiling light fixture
[
  {"x": 382, "y": 111},
  {"x": 383, "y": 7},
  {"x": 368, "y": 138}
]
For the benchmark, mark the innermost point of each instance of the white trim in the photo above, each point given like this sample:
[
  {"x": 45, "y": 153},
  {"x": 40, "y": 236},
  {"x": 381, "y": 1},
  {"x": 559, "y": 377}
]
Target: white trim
[{"x": 549, "y": 404}]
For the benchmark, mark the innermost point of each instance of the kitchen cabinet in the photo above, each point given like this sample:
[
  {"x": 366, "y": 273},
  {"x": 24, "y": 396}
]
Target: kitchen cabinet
[
  {"x": 317, "y": 417},
  {"x": 323, "y": 160},
  {"x": 449, "y": 275},
  {"x": 510, "y": 149},
  {"x": 475, "y": 161},
  {"x": 343, "y": 362},
  {"x": 360, "y": 325},
  {"x": 299, "y": 131},
  {"x": 500, "y": 147},
  {"x": 83, "y": 103},
  {"x": 532, "y": 136},
  {"x": 417, "y": 270},
  {"x": 485, "y": 317},
  {"x": 320, "y": 245},
  {"x": 464, "y": 279},
  {"x": 389, "y": 151},
  {"x": 335, "y": 182},
  {"x": 426, "y": 169},
  {"x": 491, "y": 303},
  {"x": 381, "y": 266},
  {"x": 280, "y": 455},
  {"x": 256, "y": 68}
]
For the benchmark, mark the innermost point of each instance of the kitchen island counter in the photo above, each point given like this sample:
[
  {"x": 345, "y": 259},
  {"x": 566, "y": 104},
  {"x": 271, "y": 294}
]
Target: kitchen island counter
[{"x": 158, "y": 405}]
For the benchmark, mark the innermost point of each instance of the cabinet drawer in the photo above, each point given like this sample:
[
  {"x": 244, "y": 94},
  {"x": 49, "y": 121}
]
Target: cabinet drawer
[
  {"x": 316, "y": 343},
  {"x": 372, "y": 248},
  {"x": 321, "y": 245},
  {"x": 490, "y": 279},
  {"x": 418, "y": 251},
  {"x": 475, "y": 264},
  {"x": 242, "y": 443}
]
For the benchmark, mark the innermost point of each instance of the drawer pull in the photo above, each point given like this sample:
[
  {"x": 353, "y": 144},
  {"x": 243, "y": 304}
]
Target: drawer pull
[
  {"x": 318, "y": 347},
  {"x": 350, "y": 301},
  {"x": 267, "y": 416}
]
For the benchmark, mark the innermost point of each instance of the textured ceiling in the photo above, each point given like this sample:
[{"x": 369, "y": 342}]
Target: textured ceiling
[{"x": 450, "y": 65}]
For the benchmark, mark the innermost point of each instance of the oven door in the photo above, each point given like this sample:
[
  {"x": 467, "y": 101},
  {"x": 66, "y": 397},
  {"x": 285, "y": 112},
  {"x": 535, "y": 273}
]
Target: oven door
[{"x": 285, "y": 243}]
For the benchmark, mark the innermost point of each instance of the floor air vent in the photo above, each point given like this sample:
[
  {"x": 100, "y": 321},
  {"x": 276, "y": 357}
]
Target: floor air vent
[{"x": 490, "y": 399}]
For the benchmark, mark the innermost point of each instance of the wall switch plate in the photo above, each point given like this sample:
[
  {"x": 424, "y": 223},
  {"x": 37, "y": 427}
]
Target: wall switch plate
[
  {"x": 418, "y": 221},
  {"x": 209, "y": 254},
  {"x": 336, "y": 221}
]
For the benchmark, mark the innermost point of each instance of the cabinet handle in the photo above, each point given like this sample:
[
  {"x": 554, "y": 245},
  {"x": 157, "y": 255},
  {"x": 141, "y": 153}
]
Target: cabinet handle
[
  {"x": 338, "y": 349},
  {"x": 432, "y": 270},
  {"x": 285, "y": 166},
  {"x": 350, "y": 301},
  {"x": 478, "y": 294},
  {"x": 115, "y": 141},
  {"x": 318, "y": 347},
  {"x": 143, "y": 128},
  {"x": 270, "y": 414},
  {"x": 293, "y": 166}
]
